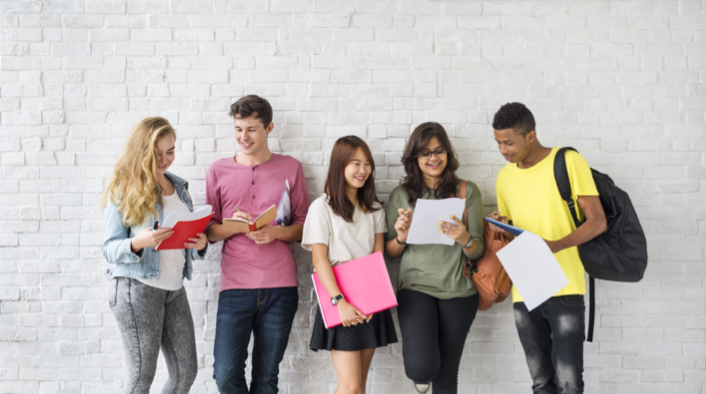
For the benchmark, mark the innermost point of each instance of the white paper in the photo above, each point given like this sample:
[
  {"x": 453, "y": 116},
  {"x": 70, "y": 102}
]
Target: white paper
[
  {"x": 534, "y": 270},
  {"x": 173, "y": 218},
  {"x": 284, "y": 209},
  {"x": 426, "y": 217}
]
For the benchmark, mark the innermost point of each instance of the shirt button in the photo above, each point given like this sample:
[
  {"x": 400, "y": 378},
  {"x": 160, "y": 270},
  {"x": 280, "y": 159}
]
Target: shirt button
[
  {"x": 253, "y": 168},
  {"x": 253, "y": 182},
  {"x": 253, "y": 196}
]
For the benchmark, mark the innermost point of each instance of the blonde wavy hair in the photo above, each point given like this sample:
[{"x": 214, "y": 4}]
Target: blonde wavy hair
[{"x": 134, "y": 181}]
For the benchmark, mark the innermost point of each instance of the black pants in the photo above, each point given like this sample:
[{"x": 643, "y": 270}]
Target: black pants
[
  {"x": 552, "y": 336},
  {"x": 433, "y": 334}
]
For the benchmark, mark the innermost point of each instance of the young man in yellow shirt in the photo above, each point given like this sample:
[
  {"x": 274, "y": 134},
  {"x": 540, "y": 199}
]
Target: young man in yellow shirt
[{"x": 552, "y": 334}]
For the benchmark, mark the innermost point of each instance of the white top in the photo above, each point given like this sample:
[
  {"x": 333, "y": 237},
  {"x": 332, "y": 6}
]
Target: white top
[
  {"x": 346, "y": 241},
  {"x": 171, "y": 262}
]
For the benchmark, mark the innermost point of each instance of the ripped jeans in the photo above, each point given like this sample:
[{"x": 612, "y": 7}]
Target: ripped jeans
[{"x": 552, "y": 337}]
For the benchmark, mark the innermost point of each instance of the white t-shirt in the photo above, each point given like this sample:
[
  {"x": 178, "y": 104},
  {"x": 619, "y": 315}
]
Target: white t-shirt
[
  {"x": 346, "y": 241},
  {"x": 171, "y": 262}
]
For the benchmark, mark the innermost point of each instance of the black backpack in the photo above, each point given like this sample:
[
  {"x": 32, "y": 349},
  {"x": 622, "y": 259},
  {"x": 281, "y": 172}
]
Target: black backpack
[{"x": 618, "y": 254}]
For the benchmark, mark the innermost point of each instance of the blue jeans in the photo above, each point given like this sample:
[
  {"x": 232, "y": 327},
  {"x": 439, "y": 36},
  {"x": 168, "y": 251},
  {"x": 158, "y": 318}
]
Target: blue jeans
[
  {"x": 267, "y": 314},
  {"x": 552, "y": 336}
]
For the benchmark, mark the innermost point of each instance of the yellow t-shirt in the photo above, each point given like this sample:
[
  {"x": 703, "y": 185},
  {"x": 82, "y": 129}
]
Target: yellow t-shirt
[{"x": 530, "y": 198}]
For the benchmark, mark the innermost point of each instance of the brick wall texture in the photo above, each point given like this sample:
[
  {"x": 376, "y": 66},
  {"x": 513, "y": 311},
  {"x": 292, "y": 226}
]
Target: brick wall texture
[{"x": 622, "y": 81}]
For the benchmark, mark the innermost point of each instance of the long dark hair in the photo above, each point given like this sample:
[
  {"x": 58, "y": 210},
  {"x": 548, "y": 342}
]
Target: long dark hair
[
  {"x": 414, "y": 181},
  {"x": 335, "y": 187}
]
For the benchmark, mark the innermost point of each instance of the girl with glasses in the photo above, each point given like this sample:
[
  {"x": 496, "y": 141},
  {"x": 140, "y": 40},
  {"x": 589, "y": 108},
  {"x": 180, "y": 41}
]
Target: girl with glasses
[{"x": 436, "y": 301}]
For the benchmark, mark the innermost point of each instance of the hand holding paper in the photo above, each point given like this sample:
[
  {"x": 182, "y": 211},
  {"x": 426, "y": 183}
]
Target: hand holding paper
[
  {"x": 427, "y": 216},
  {"x": 534, "y": 270}
]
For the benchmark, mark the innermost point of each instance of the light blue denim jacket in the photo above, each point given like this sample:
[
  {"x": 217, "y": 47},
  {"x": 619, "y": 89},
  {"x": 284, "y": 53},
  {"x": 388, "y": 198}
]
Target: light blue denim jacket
[{"x": 145, "y": 263}]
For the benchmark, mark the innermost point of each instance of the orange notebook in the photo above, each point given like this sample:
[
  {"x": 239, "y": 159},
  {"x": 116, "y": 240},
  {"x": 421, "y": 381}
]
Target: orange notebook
[
  {"x": 244, "y": 226},
  {"x": 185, "y": 226},
  {"x": 364, "y": 282}
]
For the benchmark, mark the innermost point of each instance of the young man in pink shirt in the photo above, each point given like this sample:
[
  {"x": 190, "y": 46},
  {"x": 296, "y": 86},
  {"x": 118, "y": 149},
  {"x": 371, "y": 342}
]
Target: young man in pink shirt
[{"x": 258, "y": 292}]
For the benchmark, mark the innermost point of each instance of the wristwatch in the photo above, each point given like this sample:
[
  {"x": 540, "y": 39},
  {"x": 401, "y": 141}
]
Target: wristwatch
[
  {"x": 470, "y": 243},
  {"x": 334, "y": 300}
]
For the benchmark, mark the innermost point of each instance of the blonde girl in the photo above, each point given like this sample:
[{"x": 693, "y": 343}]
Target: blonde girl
[{"x": 147, "y": 295}]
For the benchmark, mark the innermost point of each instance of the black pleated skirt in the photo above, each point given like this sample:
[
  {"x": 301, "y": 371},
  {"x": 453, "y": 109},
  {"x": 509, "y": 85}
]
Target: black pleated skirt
[{"x": 378, "y": 333}]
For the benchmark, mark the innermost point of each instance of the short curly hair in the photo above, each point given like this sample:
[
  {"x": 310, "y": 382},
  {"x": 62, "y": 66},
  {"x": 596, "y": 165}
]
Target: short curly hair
[{"x": 515, "y": 116}]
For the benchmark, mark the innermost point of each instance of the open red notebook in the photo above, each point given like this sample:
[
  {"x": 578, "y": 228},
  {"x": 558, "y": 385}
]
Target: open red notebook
[
  {"x": 185, "y": 226},
  {"x": 364, "y": 282}
]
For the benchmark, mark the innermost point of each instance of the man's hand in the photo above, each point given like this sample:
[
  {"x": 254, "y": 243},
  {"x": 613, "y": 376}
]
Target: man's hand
[
  {"x": 242, "y": 215},
  {"x": 496, "y": 216},
  {"x": 265, "y": 235}
]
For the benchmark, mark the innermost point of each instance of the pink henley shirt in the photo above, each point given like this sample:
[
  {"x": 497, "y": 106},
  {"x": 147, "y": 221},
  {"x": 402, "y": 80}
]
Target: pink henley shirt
[{"x": 253, "y": 189}]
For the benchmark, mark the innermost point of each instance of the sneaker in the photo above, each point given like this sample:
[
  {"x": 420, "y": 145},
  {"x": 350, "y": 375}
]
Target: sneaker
[{"x": 422, "y": 387}]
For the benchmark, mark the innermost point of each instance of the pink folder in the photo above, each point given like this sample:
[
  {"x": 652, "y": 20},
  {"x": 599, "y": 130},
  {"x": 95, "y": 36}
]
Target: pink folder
[{"x": 364, "y": 282}]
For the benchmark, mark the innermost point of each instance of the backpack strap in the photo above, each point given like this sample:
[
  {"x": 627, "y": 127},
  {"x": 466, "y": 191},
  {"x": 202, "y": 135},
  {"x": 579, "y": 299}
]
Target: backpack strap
[
  {"x": 561, "y": 175},
  {"x": 462, "y": 195}
]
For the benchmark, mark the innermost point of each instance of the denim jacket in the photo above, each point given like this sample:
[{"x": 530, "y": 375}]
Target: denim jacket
[{"x": 145, "y": 263}]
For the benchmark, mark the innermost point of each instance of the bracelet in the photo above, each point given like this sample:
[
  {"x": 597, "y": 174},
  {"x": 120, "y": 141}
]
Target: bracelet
[
  {"x": 400, "y": 243},
  {"x": 470, "y": 243}
]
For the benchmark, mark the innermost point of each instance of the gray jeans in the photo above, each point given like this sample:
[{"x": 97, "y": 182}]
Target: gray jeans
[{"x": 149, "y": 318}]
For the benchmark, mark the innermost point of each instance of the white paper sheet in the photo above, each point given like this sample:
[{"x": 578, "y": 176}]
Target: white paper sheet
[
  {"x": 171, "y": 220},
  {"x": 426, "y": 217},
  {"x": 534, "y": 270}
]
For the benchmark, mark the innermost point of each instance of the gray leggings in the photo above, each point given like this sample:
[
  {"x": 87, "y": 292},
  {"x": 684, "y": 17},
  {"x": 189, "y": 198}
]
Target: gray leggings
[{"x": 147, "y": 318}]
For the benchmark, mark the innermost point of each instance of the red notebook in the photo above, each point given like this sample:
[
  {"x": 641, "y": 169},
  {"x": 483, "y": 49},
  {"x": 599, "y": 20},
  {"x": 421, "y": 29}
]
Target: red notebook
[
  {"x": 364, "y": 282},
  {"x": 185, "y": 226}
]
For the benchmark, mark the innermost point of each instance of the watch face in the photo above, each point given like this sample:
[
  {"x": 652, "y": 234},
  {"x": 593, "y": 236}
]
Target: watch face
[{"x": 334, "y": 301}]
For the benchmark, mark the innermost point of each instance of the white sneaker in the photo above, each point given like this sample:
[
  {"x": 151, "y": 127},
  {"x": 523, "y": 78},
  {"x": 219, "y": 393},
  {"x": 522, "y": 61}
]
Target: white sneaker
[{"x": 422, "y": 387}]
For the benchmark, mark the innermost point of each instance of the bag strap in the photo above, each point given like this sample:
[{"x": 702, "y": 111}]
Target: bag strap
[
  {"x": 561, "y": 175},
  {"x": 591, "y": 307},
  {"x": 462, "y": 195}
]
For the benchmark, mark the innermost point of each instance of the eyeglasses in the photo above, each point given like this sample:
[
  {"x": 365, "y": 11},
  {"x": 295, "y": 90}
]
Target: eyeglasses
[{"x": 439, "y": 153}]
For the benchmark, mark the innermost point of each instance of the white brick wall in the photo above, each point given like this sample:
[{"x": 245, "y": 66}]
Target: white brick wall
[{"x": 622, "y": 81}]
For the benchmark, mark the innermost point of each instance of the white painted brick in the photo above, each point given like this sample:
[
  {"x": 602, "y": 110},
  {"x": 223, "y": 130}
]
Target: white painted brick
[
  {"x": 150, "y": 35},
  {"x": 620, "y": 80}
]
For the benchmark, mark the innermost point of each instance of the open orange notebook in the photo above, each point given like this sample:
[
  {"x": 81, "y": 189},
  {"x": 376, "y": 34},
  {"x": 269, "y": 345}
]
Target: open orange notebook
[
  {"x": 364, "y": 282},
  {"x": 244, "y": 226}
]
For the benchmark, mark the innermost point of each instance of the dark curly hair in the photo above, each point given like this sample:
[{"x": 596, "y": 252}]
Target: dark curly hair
[{"x": 514, "y": 116}]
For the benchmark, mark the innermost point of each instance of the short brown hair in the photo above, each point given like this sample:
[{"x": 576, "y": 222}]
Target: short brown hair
[
  {"x": 335, "y": 187},
  {"x": 252, "y": 105}
]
